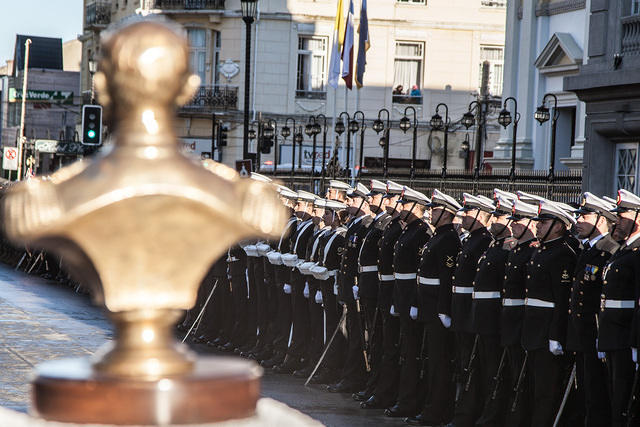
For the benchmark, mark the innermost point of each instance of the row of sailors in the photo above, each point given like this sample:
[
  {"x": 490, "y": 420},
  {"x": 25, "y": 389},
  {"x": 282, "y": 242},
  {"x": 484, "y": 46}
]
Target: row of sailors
[{"x": 516, "y": 311}]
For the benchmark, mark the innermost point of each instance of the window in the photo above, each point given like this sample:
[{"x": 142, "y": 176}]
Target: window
[
  {"x": 626, "y": 167},
  {"x": 312, "y": 68},
  {"x": 13, "y": 114},
  {"x": 412, "y": 1},
  {"x": 635, "y": 7},
  {"x": 495, "y": 56},
  {"x": 493, "y": 3},
  {"x": 216, "y": 56},
  {"x": 408, "y": 69},
  {"x": 198, "y": 52}
]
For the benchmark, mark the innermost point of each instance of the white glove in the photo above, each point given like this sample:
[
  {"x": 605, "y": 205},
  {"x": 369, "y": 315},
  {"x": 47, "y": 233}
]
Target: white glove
[
  {"x": 355, "y": 289},
  {"x": 335, "y": 289},
  {"x": 393, "y": 311},
  {"x": 446, "y": 320},
  {"x": 305, "y": 291},
  {"x": 555, "y": 348},
  {"x": 287, "y": 289},
  {"x": 634, "y": 354},
  {"x": 602, "y": 355},
  {"x": 318, "y": 297},
  {"x": 413, "y": 313}
]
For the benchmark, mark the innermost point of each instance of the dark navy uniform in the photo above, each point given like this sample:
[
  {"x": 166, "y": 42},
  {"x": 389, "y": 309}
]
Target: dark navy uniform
[
  {"x": 368, "y": 286},
  {"x": 353, "y": 372},
  {"x": 582, "y": 329},
  {"x": 621, "y": 279},
  {"x": 300, "y": 310},
  {"x": 468, "y": 407},
  {"x": 512, "y": 317},
  {"x": 435, "y": 277},
  {"x": 384, "y": 394},
  {"x": 406, "y": 259},
  {"x": 549, "y": 278},
  {"x": 486, "y": 309}
]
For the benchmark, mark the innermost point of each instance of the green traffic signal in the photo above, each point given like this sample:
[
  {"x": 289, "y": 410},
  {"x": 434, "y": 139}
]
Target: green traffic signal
[{"x": 91, "y": 134}]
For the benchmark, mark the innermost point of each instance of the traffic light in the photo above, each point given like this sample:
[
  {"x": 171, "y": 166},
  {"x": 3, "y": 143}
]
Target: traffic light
[
  {"x": 91, "y": 125},
  {"x": 265, "y": 145},
  {"x": 222, "y": 136}
]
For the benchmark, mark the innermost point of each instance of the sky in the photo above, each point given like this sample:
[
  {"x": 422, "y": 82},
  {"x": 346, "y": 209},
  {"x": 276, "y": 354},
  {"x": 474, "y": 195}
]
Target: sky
[{"x": 46, "y": 18}]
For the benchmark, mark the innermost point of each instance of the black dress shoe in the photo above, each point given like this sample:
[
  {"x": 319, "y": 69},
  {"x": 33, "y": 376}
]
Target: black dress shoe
[
  {"x": 200, "y": 339},
  {"x": 289, "y": 365},
  {"x": 398, "y": 412},
  {"x": 373, "y": 403},
  {"x": 361, "y": 396},
  {"x": 303, "y": 372},
  {"x": 324, "y": 376},
  {"x": 228, "y": 347},
  {"x": 275, "y": 360},
  {"x": 343, "y": 387},
  {"x": 421, "y": 420},
  {"x": 263, "y": 355}
]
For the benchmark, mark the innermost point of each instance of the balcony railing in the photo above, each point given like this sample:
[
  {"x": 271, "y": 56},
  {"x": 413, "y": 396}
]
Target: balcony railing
[
  {"x": 98, "y": 14},
  {"x": 186, "y": 4},
  {"x": 214, "y": 97},
  {"x": 407, "y": 99},
  {"x": 631, "y": 35}
]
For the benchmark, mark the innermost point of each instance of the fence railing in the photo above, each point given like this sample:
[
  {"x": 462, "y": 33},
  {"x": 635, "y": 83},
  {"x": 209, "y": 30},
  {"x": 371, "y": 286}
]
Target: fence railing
[
  {"x": 631, "y": 35},
  {"x": 209, "y": 97},
  {"x": 565, "y": 187},
  {"x": 185, "y": 4}
]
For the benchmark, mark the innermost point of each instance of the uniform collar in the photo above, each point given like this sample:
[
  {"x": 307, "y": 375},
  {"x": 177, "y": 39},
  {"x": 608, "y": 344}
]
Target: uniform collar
[
  {"x": 596, "y": 239},
  {"x": 632, "y": 239},
  {"x": 444, "y": 227}
]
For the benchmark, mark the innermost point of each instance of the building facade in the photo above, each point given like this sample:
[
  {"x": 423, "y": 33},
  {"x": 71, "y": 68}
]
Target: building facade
[
  {"x": 609, "y": 85},
  {"x": 437, "y": 46},
  {"x": 546, "y": 40}
]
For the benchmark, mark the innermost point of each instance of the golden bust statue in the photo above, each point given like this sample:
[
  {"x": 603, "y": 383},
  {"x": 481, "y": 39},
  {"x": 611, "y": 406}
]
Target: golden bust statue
[{"x": 141, "y": 224}]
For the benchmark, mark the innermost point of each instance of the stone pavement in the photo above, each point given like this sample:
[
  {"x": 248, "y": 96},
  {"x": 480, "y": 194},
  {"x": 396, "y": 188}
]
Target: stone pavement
[{"x": 42, "y": 320}]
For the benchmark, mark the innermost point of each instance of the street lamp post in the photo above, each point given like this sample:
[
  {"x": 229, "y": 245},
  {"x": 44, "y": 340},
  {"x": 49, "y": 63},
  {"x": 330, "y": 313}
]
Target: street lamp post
[
  {"x": 285, "y": 132},
  {"x": 437, "y": 123},
  {"x": 352, "y": 127},
  {"x": 309, "y": 130},
  {"x": 298, "y": 138},
  {"x": 505, "y": 119},
  {"x": 248, "y": 16},
  {"x": 324, "y": 144},
  {"x": 362, "y": 128},
  {"x": 339, "y": 129},
  {"x": 405, "y": 125},
  {"x": 542, "y": 115},
  {"x": 378, "y": 126}
]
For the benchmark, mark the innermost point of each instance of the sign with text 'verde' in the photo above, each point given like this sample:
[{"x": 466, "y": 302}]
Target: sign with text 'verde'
[{"x": 34, "y": 95}]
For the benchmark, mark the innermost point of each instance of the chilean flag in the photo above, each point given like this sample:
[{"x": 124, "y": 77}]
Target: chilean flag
[{"x": 347, "y": 49}]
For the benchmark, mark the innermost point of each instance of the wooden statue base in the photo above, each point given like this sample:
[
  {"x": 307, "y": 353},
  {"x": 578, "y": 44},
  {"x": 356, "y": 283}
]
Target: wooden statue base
[{"x": 218, "y": 389}]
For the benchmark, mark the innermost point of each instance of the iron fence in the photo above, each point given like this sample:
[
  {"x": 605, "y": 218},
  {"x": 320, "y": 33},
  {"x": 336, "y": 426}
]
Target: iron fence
[
  {"x": 188, "y": 4},
  {"x": 565, "y": 187},
  {"x": 209, "y": 97}
]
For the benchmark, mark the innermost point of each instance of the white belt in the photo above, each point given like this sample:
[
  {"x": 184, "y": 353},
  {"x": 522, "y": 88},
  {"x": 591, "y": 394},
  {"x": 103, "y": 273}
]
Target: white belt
[
  {"x": 332, "y": 272},
  {"x": 486, "y": 295},
  {"x": 428, "y": 281},
  {"x": 368, "y": 268},
  {"x": 462, "y": 289},
  {"x": 386, "y": 277},
  {"x": 406, "y": 276},
  {"x": 534, "y": 302},
  {"x": 511, "y": 302},
  {"x": 613, "y": 303}
]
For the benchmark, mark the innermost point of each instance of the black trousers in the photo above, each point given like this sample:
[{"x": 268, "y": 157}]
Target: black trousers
[
  {"x": 261, "y": 302},
  {"x": 353, "y": 370},
  {"x": 546, "y": 373},
  {"x": 386, "y": 389},
  {"x": 210, "y": 324},
  {"x": 283, "y": 320},
  {"x": 373, "y": 325},
  {"x": 620, "y": 380},
  {"x": 409, "y": 396},
  {"x": 493, "y": 410},
  {"x": 592, "y": 379},
  {"x": 468, "y": 407},
  {"x": 518, "y": 409},
  {"x": 252, "y": 299},
  {"x": 300, "y": 317},
  {"x": 439, "y": 374},
  {"x": 334, "y": 359},
  {"x": 316, "y": 322},
  {"x": 240, "y": 332},
  {"x": 271, "y": 303}
]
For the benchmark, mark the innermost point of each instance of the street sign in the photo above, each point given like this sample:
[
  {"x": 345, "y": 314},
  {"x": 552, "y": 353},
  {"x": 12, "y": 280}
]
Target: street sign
[
  {"x": 10, "y": 158},
  {"x": 46, "y": 145},
  {"x": 48, "y": 96}
]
